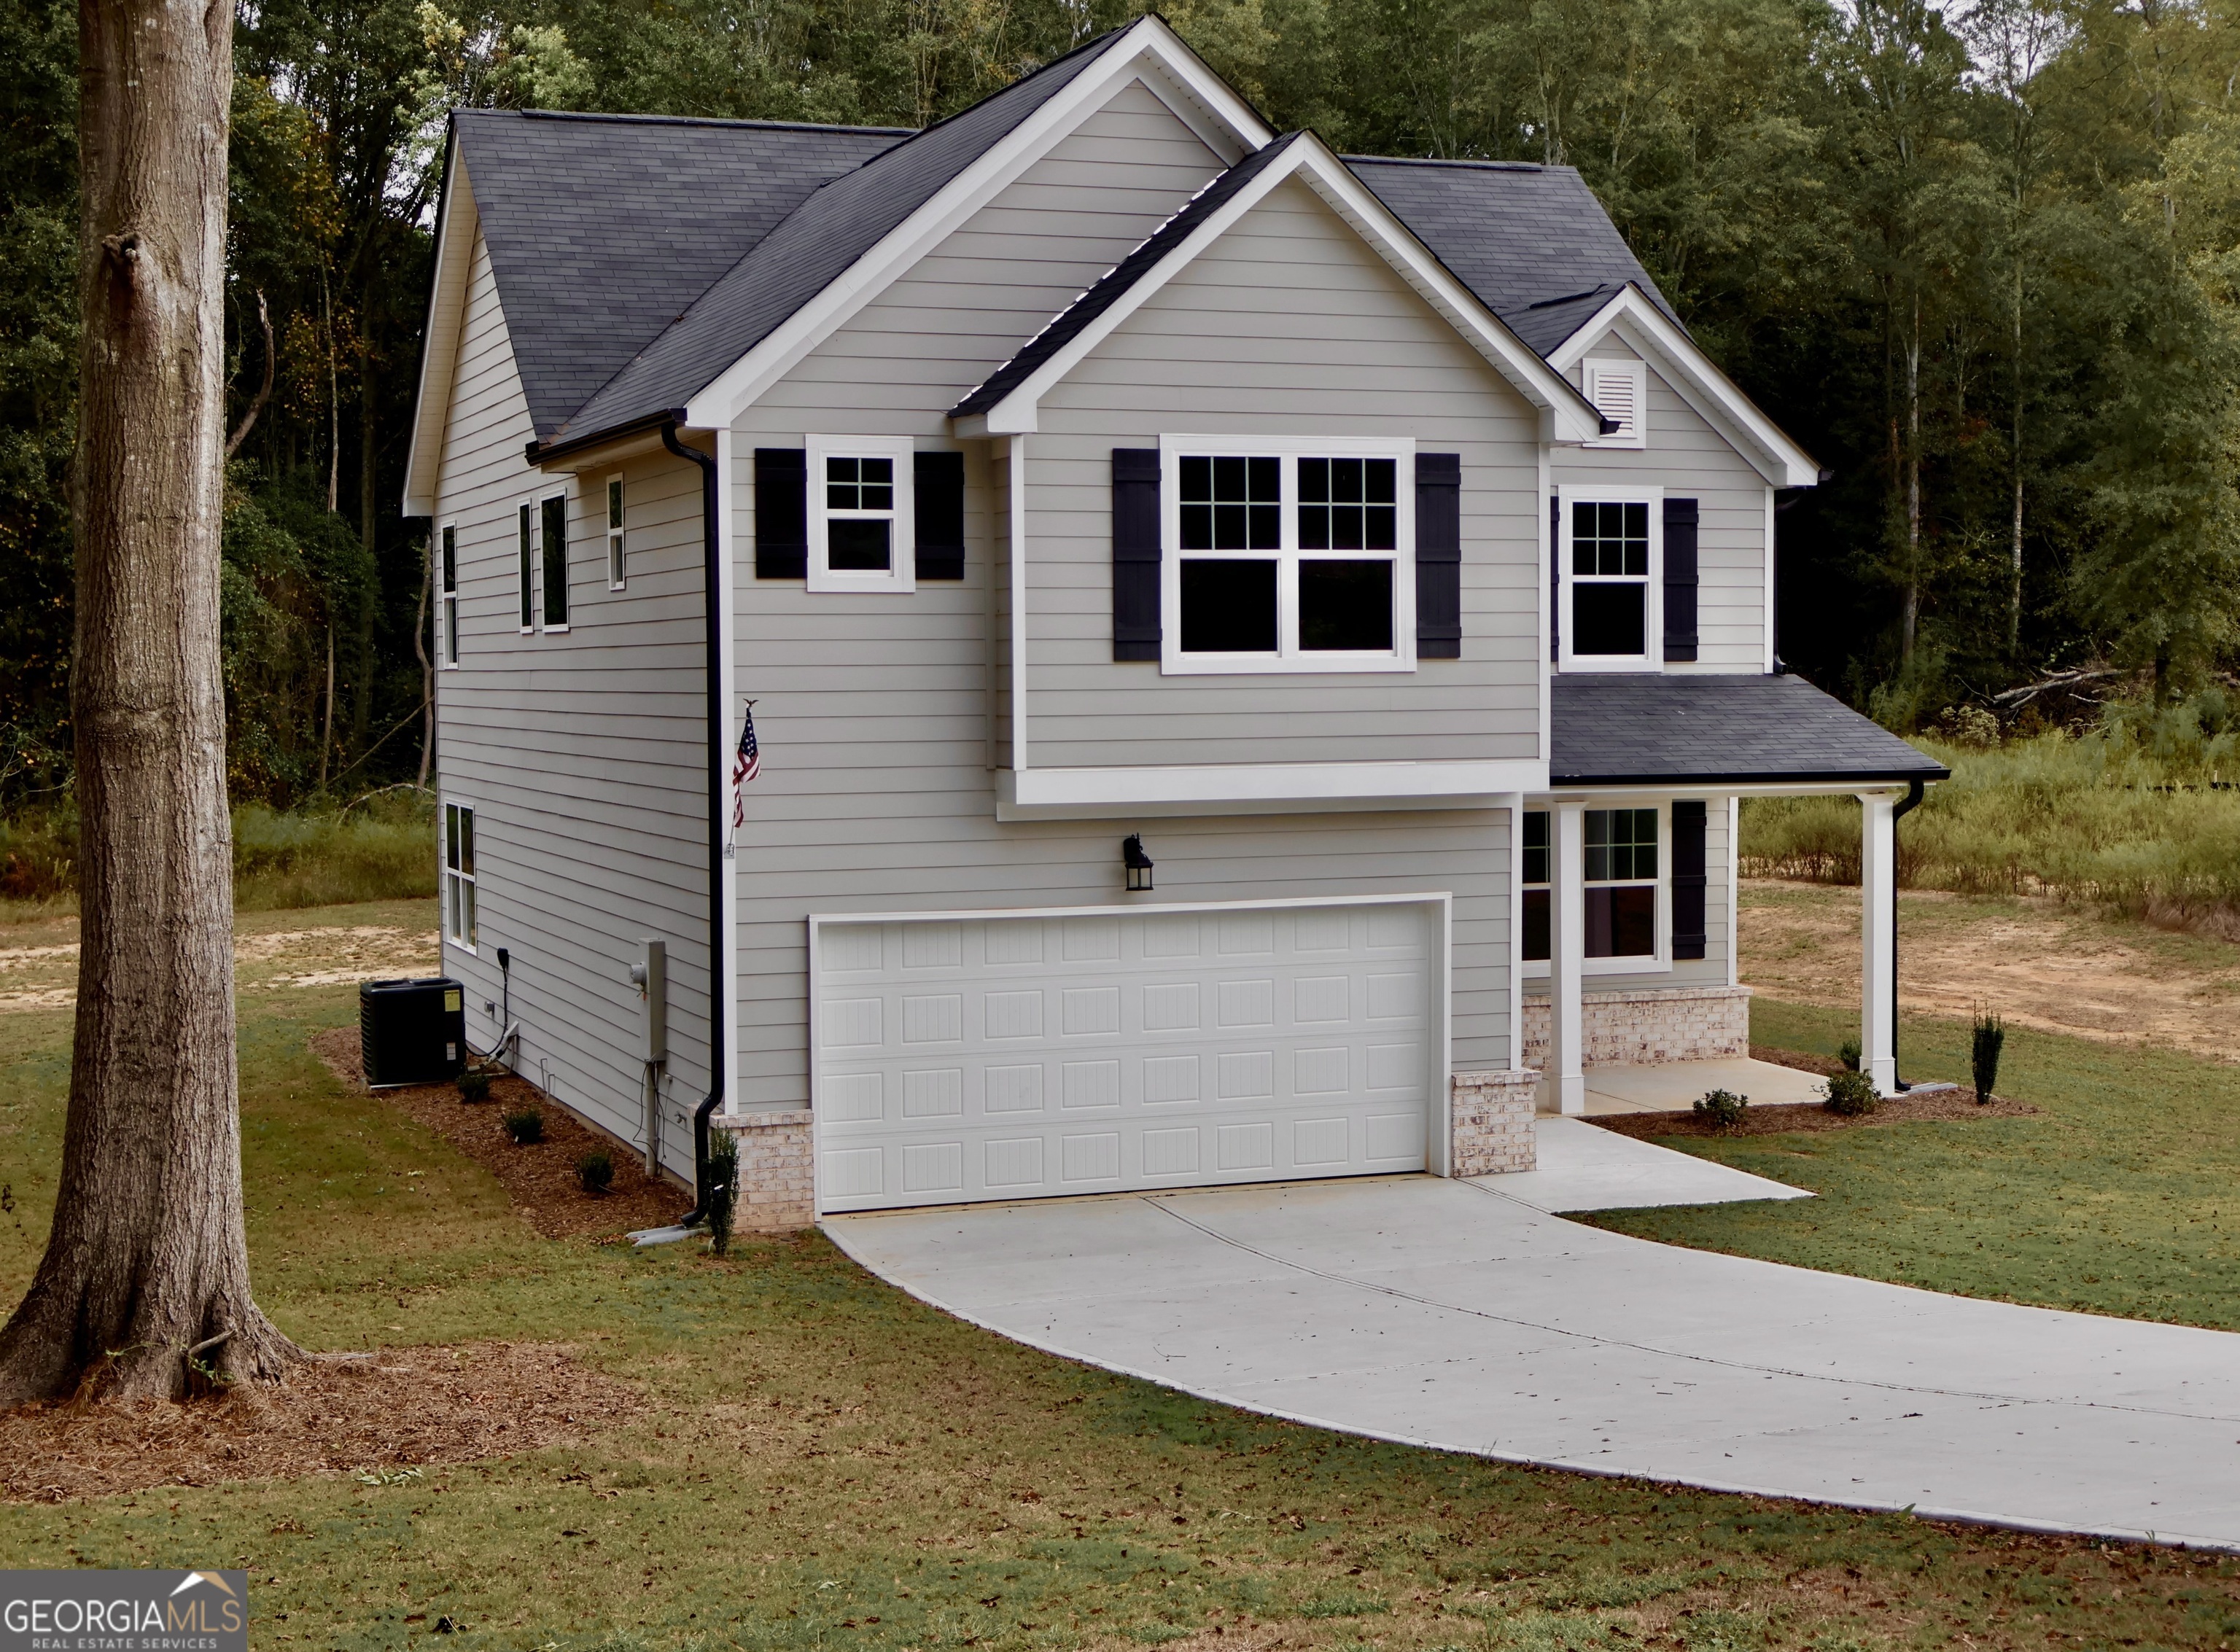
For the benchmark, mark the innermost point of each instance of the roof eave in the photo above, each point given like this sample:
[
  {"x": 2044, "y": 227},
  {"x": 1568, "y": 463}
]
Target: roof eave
[
  {"x": 448, "y": 278},
  {"x": 1833, "y": 779}
]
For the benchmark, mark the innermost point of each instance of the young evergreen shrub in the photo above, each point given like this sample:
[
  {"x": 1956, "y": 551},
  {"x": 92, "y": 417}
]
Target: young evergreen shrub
[
  {"x": 474, "y": 1085},
  {"x": 1984, "y": 1056},
  {"x": 1848, "y": 1053},
  {"x": 526, "y": 1125},
  {"x": 720, "y": 1202},
  {"x": 1722, "y": 1108},
  {"x": 1851, "y": 1094},
  {"x": 596, "y": 1170}
]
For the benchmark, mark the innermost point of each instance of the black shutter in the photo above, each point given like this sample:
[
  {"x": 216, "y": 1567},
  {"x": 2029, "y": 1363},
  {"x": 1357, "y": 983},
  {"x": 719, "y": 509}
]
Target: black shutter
[
  {"x": 937, "y": 491},
  {"x": 1135, "y": 553},
  {"x": 1688, "y": 877},
  {"x": 1680, "y": 580},
  {"x": 781, "y": 513},
  {"x": 1438, "y": 555},
  {"x": 1554, "y": 579}
]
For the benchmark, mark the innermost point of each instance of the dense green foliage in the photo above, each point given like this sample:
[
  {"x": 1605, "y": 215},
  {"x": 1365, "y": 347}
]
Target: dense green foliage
[
  {"x": 2142, "y": 813},
  {"x": 1980, "y": 256}
]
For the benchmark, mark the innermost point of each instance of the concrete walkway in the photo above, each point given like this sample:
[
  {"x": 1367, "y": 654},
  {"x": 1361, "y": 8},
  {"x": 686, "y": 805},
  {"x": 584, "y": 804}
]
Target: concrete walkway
[
  {"x": 1447, "y": 1313},
  {"x": 1585, "y": 1167}
]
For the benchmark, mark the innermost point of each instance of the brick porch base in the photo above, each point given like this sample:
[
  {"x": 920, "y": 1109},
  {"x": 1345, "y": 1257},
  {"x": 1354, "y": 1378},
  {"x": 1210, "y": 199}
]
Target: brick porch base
[{"x": 1650, "y": 1024}]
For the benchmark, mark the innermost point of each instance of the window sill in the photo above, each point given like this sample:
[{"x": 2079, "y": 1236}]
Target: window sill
[
  {"x": 1178, "y": 664},
  {"x": 1605, "y": 967},
  {"x": 1606, "y": 665}
]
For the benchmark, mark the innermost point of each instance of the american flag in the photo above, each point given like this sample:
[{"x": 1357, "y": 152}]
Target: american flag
[{"x": 745, "y": 765}]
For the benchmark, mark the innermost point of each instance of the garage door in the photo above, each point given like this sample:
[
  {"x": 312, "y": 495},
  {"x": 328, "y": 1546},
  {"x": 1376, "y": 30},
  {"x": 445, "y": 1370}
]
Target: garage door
[{"x": 1006, "y": 1058}]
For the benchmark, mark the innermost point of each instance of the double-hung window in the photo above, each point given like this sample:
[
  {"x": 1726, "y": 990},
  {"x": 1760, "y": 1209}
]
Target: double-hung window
[
  {"x": 554, "y": 531},
  {"x": 1623, "y": 900},
  {"x": 1622, "y": 882},
  {"x": 447, "y": 595},
  {"x": 860, "y": 515},
  {"x": 616, "y": 567},
  {"x": 1610, "y": 557},
  {"x": 1288, "y": 556},
  {"x": 459, "y": 874},
  {"x": 525, "y": 564}
]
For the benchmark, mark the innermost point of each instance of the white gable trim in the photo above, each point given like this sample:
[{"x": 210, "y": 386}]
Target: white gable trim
[
  {"x": 1696, "y": 378},
  {"x": 1565, "y": 414},
  {"x": 439, "y": 349},
  {"x": 1150, "y": 53}
]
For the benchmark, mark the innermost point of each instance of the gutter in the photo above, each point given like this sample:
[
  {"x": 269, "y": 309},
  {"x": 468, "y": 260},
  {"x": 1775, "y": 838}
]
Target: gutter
[
  {"x": 1914, "y": 794},
  {"x": 718, "y": 1011},
  {"x": 540, "y": 453}
]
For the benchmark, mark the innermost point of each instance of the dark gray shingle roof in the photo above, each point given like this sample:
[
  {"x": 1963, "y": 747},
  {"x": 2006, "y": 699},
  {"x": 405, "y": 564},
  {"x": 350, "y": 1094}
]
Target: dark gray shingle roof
[
  {"x": 814, "y": 247},
  {"x": 1118, "y": 280},
  {"x": 604, "y": 228},
  {"x": 1652, "y": 728},
  {"x": 1517, "y": 234}
]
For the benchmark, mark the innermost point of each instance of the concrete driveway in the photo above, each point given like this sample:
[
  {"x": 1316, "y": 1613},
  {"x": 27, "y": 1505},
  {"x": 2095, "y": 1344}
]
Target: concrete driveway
[{"x": 1447, "y": 1313}]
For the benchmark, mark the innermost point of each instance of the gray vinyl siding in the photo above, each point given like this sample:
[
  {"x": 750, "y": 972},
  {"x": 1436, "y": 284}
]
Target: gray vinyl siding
[
  {"x": 1288, "y": 325},
  {"x": 1691, "y": 460},
  {"x": 581, "y": 752},
  {"x": 881, "y": 716}
]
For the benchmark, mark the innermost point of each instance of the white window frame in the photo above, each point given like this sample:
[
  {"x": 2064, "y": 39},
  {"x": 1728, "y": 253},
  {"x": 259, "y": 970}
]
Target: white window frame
[
  {"x": 567, "y": 498},
  {"x": 465, "y": 937},
  {"x": 900, "y": 578},
  {"x": 1594, "y": 373},
  {"x": 445, "y": 550},
  {"x": 1652, "y": 637},
  {"x": 1289, "y": 658},
  {"x": 526, "y": 559},
  {"x": 617, "y": 501},
  {"x": 1660, "y": 962}
]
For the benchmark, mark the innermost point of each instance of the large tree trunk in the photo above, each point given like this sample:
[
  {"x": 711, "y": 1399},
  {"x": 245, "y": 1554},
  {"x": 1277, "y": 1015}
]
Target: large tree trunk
[{"x": 146, "y": 1262}]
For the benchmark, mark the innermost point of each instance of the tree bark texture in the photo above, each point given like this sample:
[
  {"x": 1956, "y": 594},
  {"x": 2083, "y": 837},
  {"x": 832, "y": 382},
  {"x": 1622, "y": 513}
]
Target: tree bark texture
[{"x": 147, "y": 1257}]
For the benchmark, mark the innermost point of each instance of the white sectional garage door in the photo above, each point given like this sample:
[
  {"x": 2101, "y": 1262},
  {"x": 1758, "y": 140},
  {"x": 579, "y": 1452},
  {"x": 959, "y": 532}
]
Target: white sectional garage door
[{"x": 1007, "y": 1058}]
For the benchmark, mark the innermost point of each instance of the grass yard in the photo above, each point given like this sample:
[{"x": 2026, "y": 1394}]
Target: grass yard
[
  {"x": 817, "y": 1460},
  {"x": 2122, "y": 1197}
]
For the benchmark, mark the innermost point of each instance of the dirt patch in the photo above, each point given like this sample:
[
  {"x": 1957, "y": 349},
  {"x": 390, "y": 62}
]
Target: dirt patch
[
  {"x": 405, "y": 1409},
  {"x": 2034, "y": 962},
  {"x": 1795, "y": 1116},
  {"x": 45, "y": 976},
  {"x": 541, "y": 1177}
]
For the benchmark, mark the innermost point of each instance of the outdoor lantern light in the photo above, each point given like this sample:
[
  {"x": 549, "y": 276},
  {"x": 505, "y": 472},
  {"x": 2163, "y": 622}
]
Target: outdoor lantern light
[{"x": 1137, "y": 863}]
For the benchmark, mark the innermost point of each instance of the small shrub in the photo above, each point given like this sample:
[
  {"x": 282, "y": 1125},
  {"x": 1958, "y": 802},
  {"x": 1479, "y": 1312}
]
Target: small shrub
[
  {"x": 719, "y": 1201},
  {"x": 596, "y": 1170},
  {"x": 474, "y": 1085},
  {"x": 1990, "y": 1039},
  {"x": 526, "y": 1125},
  {"x": 1848, "y": 1053},
  {"x": 1722, "y": 1108},
  {"x": 1851, "y": 1094}
]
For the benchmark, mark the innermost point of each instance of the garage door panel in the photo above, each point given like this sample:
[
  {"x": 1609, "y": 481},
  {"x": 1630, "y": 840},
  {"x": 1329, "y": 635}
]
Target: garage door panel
[{"x": 1003, "y": 1058}]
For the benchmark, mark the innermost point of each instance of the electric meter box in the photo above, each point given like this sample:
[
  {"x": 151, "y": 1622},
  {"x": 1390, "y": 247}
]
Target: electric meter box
[{"x": 412, "y": 1032}]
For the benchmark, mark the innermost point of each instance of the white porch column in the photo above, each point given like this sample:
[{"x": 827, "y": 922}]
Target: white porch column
[
  {"x": 1878, "y": 941},
  {"x": 1567, "y": 954}
]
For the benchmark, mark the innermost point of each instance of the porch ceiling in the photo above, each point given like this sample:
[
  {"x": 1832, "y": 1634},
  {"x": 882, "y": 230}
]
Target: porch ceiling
[{"x": 1646, "y": 728}]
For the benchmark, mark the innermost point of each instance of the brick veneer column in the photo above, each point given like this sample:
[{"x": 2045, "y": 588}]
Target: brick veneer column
[
  {"x": 1492, "y": 1123},
  {"x": 777, "y": 1186}
]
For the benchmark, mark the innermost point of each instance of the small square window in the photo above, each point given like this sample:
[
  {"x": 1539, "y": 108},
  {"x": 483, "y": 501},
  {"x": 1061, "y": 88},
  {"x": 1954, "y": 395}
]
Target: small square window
[{"x": 860, "y": 521}]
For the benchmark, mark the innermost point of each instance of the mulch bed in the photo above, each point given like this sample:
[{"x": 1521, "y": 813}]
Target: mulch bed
[
  {"x": 1789, "y": 1118},
  {"x": 542, "y": 1177},
  {"x": 401, "y": 1409}
]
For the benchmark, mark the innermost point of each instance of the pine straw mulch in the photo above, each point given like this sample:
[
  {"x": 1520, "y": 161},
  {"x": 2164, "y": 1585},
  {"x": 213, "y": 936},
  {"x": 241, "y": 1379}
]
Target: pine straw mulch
[
  {"x": 1796, "y": 1117},
  {"x": 402, "y": 1409},
  {"x": 542, "y": 1177}
]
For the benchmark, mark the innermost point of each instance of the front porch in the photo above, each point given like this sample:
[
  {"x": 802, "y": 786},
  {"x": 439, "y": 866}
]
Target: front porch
[{"x": 1666, "y": 748}]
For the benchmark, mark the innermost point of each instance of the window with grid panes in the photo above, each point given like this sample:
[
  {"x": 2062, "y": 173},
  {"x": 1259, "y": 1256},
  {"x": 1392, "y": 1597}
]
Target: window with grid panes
[
  {"x": 859, "y": 514},
  {"x": 459, "y": 874},
  {"x": 1609, "y": 578},
  {"x": 1621, "y": 882}
]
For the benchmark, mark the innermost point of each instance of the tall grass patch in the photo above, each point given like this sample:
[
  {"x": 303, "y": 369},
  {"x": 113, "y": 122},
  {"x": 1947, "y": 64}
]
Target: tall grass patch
[
  {"x": 2141, "y": 814},
  {"x": 382, "y": 849}
]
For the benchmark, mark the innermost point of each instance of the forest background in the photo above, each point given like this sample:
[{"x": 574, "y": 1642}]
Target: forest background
[{"x": 1981, "y": 258}]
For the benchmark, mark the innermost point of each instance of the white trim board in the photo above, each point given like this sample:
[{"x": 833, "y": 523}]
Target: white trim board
[
  {"x": 1257, "y": 789},
  {"x": 1149, "y": 52},
  {"x": 1566, "y": 415},
  {"x": 456, "y": 229},
  {"x": 1697, "y": 380}
]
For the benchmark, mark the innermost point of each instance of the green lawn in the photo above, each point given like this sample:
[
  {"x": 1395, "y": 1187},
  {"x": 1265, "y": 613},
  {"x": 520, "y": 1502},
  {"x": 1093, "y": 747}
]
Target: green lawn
[
  {"x": 821, "y": 1461},
  {"x": 2123, "y": 1197}
]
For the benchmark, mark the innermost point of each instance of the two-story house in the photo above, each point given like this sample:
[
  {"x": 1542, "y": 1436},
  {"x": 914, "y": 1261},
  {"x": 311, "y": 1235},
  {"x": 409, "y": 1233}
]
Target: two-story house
[{"x": 1254, "y": 653}]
